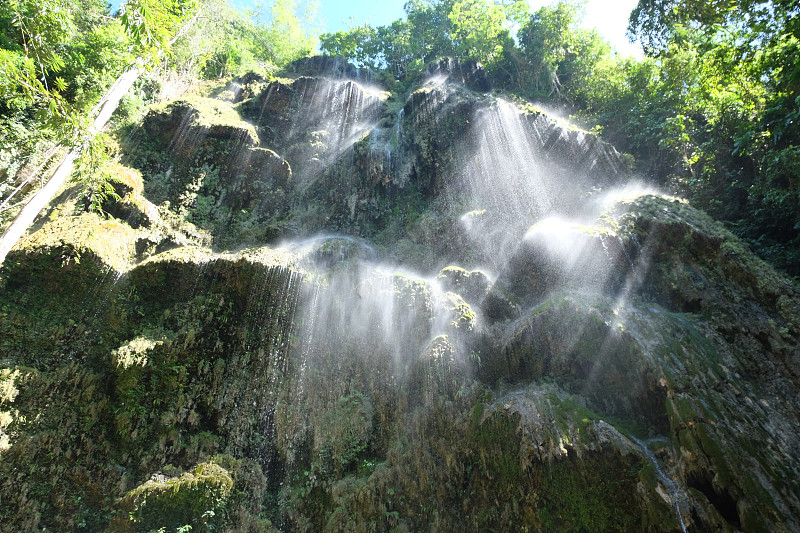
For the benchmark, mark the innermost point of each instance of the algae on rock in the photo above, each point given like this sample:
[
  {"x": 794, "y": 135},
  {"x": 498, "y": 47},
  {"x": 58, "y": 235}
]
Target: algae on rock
[{"x": 349, "y": 314}]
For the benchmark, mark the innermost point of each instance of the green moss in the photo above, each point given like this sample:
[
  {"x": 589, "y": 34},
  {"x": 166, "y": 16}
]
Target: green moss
[
  {"x": 8, "y": 392},
  {"x": 572, "y": 417},
  {"x": 109, "y": 243},
  {"x": 709, "y": 442},
  {"x": 209, "y": 113},
  {"x": 344, "y": 434},
  {"x": 195, "y": 498},
  {"x": 498, "y": 449},
  {"x": 752, "y": 521},
  {"x": 595, "y": 493},
  {"x": 657, "y": 513},
  {"x": 682, "y": 411}
]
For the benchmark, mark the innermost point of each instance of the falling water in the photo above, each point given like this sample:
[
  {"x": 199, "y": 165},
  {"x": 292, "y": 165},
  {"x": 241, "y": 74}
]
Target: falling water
[
  {"x": 505, "y": 176},
  {"x": 349, "y": 323},
  {"x": 319, "y": 119},
  {"x": 668, "y": 484},
  {"x": 508, "y": 184}
]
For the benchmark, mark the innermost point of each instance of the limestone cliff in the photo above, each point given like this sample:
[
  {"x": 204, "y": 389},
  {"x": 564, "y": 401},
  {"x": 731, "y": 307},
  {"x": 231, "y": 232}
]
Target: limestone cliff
[{"x": 322, "y": 306}]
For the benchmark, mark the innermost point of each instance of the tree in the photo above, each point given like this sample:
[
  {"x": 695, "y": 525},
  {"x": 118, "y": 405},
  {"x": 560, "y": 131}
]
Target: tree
[
  {"x": 733, "y": 124},
  {"x": 478, "y": 30},
  {"x": 148, "y": 22},
  {"x": 430, "y": 28},
  {"x": 288, "y": 39},
  {"x": 359, "y": 46},
  {"x": 545, "y": 40}
]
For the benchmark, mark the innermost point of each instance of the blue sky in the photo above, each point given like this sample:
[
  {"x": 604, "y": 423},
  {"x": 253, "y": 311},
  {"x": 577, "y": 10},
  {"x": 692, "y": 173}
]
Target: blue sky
[{"x": 336, "y": 14}]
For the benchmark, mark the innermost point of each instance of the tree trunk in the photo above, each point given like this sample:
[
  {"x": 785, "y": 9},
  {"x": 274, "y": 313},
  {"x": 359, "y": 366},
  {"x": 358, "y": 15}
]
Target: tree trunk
[{"x": 104, "y": 109}]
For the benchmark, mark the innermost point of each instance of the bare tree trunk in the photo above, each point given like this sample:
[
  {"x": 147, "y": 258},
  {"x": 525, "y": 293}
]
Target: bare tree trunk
[
  {"x": 104, "y": 109},
  {"x": 102, "y": 112}
]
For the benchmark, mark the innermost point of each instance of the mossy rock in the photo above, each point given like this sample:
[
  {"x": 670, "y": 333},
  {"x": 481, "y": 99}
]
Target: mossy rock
[
  {"x": 185, "y": 121},
  {"x": 698, "y": 264},
  {"x": 572, "y": 340},
  {"x": 108, "y": 243},
  {"x": 436, "y": 374},
  {"x": 242, "y": 88},
  {"x": 472, "y": 285},
  {"x": 196, "y": 498},
  {"x": 289, "y": 112}
]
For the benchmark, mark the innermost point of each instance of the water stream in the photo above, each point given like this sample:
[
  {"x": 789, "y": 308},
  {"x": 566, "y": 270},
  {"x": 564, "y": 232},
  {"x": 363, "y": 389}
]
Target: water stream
[{"x": 672, "y": 490}]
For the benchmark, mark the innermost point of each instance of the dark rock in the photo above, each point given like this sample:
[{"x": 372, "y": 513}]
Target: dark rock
[
  {"x": 243, "y": 88},
  {"x": 472, "y": 285},
  {"x": 328, "y": 67},
  {"x": 584, "y": 154},
  {"x": 500, "y": 305},
  {"x": 468, "y": 73}
]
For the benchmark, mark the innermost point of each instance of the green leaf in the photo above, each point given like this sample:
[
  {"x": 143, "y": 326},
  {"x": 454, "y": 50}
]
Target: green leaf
[{"x": 56, "y": 62}]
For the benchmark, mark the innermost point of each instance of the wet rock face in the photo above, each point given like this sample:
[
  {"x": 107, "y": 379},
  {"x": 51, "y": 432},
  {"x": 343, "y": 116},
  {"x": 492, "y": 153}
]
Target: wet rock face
[
  {"x": 635, "y": 369},
  {"x": 313, "y": 118},
  {"x": 469, "y": 73},
  {"x": 577, "y": 150},
  {"x": 357, "y": 156},
  {"x": 328, "y": 67},
  {"x": 573, "y": 254}
]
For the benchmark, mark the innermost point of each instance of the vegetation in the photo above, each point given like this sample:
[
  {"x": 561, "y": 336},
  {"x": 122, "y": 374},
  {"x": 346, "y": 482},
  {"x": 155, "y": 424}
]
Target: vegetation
[
  {"x": 150, "y": 384},
  {"x": 711, "y": 111},
  {"x": 57, "y": 58}
]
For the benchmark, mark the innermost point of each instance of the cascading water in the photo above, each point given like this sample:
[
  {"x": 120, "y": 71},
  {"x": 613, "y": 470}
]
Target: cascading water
[
  {"x": 504, "y": 180},
  {"x": 318, "y": 120},
  {"x": 507, "y": 182},
  {"x": 506, "y": 175},
  {"x": 676, "y": 498},
  {"x": 441, "y": 313},
  {"x": 360, "y": 306}
]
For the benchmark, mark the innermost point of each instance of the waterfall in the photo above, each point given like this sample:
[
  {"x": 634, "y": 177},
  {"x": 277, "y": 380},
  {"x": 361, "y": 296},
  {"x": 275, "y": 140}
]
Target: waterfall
[{"x": 669, "y": 485}]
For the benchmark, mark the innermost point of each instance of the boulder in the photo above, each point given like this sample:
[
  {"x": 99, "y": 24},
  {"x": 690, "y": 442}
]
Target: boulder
[
  {"x": 472, "y": 285},
  {"x": 557, "y": 252}
]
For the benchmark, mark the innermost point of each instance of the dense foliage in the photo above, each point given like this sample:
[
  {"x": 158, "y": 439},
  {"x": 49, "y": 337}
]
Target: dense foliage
[
  {"x": 58, "y": 57},
  {"x": 711, "y": 111},
  {"x": 720, "y": 112}
]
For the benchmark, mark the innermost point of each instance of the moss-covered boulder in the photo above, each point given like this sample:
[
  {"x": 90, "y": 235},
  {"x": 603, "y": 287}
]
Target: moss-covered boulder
[
  {"x": 203, "y": 163},
  {"x": 556, "y": 252},
  {"x": 184, "y": 122},
  {"x": 194, "y": 498},
  {"x": 635, "y": 372},
  {"x": 471, "y": 285}
]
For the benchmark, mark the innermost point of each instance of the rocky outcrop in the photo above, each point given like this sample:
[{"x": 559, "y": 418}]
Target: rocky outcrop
[
  {"x": 328, "y": 67},
  {"x": 619, "y": 364},
  {"x": 469, "y": 73}
]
